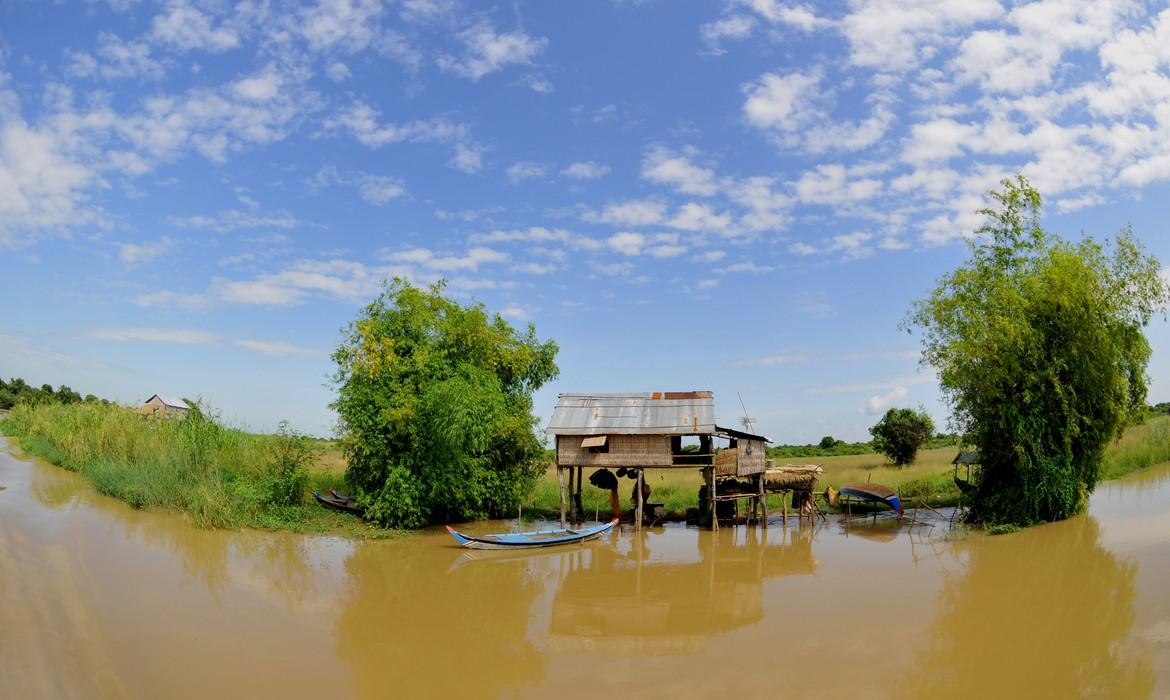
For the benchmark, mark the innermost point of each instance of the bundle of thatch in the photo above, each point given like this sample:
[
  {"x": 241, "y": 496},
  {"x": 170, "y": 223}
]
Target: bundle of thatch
[{"x": 792, "y": 477}]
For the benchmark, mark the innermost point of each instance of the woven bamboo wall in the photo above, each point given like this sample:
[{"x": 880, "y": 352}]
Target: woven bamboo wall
[
  {"x": 736, "y": 461},
  {"x": 624, "y": 451}
]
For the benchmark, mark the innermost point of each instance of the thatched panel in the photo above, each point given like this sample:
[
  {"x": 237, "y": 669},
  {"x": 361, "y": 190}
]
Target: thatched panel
[{"x": 622, "y": 451}]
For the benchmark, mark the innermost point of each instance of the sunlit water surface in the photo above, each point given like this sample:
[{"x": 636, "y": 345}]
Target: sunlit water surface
[{"x": 100, "y": 600}]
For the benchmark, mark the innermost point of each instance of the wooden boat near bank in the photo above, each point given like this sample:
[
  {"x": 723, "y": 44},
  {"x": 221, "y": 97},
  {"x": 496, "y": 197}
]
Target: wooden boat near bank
[
  {"x": 338, "y": 501},
  {"x": 539, "y": 538},
  {"x": 873, "y": 493}
]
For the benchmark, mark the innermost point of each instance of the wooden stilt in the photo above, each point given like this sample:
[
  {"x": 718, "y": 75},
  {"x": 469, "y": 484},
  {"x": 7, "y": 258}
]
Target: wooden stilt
[
  {"x": 714, "y": 508},
  {"x": 561, "y": 488},
  {"x": 638, "y": 509},
  {"x": 580, "y": 506},
  {"x": 763, "y": 502},
  {"x": 784, "y": 502}
]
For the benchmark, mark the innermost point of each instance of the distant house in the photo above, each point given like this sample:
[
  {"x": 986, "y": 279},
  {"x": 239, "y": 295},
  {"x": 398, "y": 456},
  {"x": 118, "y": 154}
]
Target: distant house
[{"x": 164, "y": 407}]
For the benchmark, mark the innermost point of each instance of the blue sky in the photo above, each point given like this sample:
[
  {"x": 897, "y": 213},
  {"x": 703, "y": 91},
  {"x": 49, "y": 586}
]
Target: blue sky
[{"x": 745, "y": 196}]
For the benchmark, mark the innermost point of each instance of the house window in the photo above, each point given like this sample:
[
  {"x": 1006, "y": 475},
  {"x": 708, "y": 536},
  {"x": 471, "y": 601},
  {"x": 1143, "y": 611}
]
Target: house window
[{"x": 596, "y": 444}]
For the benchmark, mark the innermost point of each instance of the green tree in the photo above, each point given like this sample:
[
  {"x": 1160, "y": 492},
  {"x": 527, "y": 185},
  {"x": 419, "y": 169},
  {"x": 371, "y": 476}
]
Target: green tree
[
  {"x": 900, "y": 433},
  {"x": 1039, "y": 350},
  {"x": 828, "y": 442},
  {"x": 434, "y": 401}
]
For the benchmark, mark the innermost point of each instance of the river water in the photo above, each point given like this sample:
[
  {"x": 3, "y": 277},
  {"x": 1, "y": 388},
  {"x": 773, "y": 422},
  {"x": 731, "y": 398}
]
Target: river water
[{"x": 100, "y": 600}]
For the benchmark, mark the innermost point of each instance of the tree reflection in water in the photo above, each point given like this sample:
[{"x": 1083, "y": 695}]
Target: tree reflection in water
[
  {"x": 407, "y": 629},
  {"x": 1035, "y": 614}
]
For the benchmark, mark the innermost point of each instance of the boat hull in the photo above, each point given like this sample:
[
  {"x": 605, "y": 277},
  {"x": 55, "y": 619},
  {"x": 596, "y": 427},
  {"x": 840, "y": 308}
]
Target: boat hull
[
  {"x": 530, "y": 540},
  {"x": 874, "y": 493}
]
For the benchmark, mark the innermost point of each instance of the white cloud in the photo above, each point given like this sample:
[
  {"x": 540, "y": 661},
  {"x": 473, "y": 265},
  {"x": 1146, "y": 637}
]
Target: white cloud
[
  {"x": 166, "y": 299},
  {"x": 185, "y": 27},
  {"x": 338, "y": 279},
  {"x": 338, "y": 72},
  {"x": 347, "y": 24},
  {"x": 796, "y": 16},
  {"x": 771, "y": 361},
  {"x": 627, "y": 243},
  {"x": 633, "y": 212},
  {"x": 261, "y": 87},
  {"x": 800, "y": 248},
  {"x": 468, "y": 158},
  {"x": 140, "y": 253},
  {"x": 667, "y": 167},
  {"x": 279, "y": 348},
  {"x": 852, "y": 245},
  {"x": 375, "y": 189},
  {"x": 524, "y": 170},
  {"x": 837, "y": 185},
  {"x": 894, "y": 35},
  {"x": 881, "y": 402},
  {"x": 731, "y": 27},
  {"x": 518, "y": 313},
  {"x": 154, "y": 335},
  {"x": 699, "y": 217},
  {"x": 585, "y": 170},
  {"x": 782, "y": 102},
  {"x": 487, "y": 52},
  {"x": 362, "y": 121},
  {"x": 669, "y": 250},
  {"x": 117, "y": 59},
  {"x": 470, "y": 261},
  {"x": 234, "y": 219},
  {"x": 747, "y": 267}
]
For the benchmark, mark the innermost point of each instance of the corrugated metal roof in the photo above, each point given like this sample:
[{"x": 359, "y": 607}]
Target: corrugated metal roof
[
  {"x": 647, "y": 413},
  {"x": 172, "y": 401}
]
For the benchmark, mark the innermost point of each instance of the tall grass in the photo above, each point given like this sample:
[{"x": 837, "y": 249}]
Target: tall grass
[
  {"x": 218, "y": 476},
  {"x": 1140, "y": 447}
]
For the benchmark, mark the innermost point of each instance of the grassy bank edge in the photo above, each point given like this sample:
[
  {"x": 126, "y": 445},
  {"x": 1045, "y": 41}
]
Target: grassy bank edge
[{"x": 142, "y": 463}]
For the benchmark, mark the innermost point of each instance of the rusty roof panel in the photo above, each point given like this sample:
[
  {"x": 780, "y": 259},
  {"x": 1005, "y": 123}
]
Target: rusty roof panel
[{"x": 648, "y": 413}]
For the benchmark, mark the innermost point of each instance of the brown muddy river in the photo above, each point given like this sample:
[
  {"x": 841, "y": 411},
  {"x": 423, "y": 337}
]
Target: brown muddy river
[{"x": 101, "y": 601}]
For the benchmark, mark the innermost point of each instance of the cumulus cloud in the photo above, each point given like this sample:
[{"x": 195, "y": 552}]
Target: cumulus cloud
[
  {"x": 486, "y": 51},
  {"x": 140, "y": 253},
  {"x": 524, "y": 170},
  {"x": 664, "y": 166},
  {"x": 633, "y": 212},
  {"x": 585, "y": 170},
  {"x": 879, "y": 403}
]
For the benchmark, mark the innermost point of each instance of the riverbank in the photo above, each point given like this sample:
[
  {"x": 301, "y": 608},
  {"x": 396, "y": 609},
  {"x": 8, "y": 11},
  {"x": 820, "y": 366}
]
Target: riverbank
[
  {"x": 221, "y": 477},
  {"x": 218, "y": 477},
  {"x": 928, "y": 481}
]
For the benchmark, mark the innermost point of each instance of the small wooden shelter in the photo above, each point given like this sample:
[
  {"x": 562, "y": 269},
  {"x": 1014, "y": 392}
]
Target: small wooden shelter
[
  {"x": 164, "y": 407},
  {"x": 638, "y": 431}
]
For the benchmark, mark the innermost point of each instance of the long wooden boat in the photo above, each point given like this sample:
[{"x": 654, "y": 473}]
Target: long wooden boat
[
  {"x": 338, "y": 501},
  {"x": 874, "y": 493},
  {"x": 540, "y": 538}
]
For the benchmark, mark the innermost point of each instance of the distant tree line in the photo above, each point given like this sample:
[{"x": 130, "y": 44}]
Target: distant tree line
[{"x": 16, "y": 390}]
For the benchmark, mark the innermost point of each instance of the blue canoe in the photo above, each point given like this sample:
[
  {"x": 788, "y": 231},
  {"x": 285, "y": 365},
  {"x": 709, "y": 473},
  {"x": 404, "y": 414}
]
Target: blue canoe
[
  {"x": 874, "y": 493},
  {"x": 520, "y": 540}
]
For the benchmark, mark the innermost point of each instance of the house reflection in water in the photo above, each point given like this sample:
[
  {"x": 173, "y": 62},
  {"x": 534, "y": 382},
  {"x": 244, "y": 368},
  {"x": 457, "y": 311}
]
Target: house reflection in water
[{"x": 645, "y": 601}]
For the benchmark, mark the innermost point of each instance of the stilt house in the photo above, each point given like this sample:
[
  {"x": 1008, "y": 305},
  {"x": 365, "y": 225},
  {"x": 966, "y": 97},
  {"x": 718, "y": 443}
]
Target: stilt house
[{"x": 650, "y": 430}]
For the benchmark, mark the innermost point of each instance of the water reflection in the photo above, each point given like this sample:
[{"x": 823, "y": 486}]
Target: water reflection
[
  {"x": 650, "y": 602},
  {"x": 409, "y": 630},
  {"x": 1036, "y": 614}
]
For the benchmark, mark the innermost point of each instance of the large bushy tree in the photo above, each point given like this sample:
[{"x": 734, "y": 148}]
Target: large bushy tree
[
  {"x": 1039, "y": 349},
  {"x": 901, "y": 433},
  {"x": 435, "y": 407}
]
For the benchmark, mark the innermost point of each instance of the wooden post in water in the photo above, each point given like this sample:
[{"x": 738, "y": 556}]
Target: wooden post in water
[
  {"x": 579, "y": 507},
  {"x": 714, "y": 506},
  {"x": 561, "y": 488},
  {"x": 763, "y": 502},
  {"x": 638, "y": 508}
]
